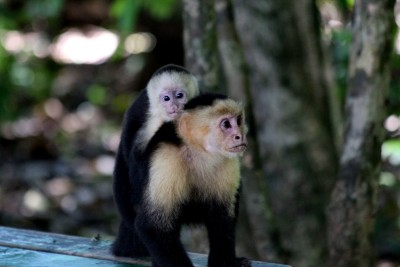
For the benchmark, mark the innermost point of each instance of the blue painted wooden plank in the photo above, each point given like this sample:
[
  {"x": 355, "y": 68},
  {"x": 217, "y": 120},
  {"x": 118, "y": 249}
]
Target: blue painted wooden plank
[
  {"x": 16, "y": 257},
  {"x": 83, "y": 247},
  {"x": 62, "y": 244}
]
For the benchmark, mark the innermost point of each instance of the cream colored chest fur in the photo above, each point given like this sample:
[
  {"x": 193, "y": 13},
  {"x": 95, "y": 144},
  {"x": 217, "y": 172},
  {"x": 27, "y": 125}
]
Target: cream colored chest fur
[{"x": 174, "y": 176}]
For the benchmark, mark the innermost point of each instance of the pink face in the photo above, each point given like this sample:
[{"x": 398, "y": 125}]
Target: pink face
[
  {"x": 234, "y": 134},
  {"x": 173, "y": 101}
]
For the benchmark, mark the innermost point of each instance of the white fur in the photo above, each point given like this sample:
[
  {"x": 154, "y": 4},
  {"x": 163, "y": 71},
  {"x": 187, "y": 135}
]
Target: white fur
[
  {"x": 168, "y": 80},
  {"x": 156, "y": 114},
  {"x": 148, "y": 130}
]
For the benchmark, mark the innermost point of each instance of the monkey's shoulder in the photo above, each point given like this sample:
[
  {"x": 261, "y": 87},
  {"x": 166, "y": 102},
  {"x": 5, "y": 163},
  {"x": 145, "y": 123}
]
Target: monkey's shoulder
[{"x": 166, "y": 134}]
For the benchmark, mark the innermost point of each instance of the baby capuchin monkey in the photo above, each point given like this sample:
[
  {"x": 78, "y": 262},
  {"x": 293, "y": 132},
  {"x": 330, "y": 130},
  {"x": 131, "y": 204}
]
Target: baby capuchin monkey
[
  {"x": 191, "y": 175},
  {"x": 163, "y": 99},
  {"x": 166, "y": 93}
]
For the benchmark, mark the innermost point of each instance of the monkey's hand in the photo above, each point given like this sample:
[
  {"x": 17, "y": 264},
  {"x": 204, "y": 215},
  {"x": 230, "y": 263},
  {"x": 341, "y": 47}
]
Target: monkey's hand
[{"x": 242, "y": 262}]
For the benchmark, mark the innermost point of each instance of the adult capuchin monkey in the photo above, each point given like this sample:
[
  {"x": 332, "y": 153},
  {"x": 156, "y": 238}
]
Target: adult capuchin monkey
[
  {"x": 166, "y": 93},
  {"x": 190, "y": 174}
]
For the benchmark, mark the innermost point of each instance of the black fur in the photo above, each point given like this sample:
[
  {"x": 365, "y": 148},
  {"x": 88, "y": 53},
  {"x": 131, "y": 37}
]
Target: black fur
[
  {"x": 127, "y": 172},
  {"x": 135, "y": 117},
  {"x": 128, "y": 157},
  {"x": 141, "y": 236},
  {"x": 204, "y": 100}
]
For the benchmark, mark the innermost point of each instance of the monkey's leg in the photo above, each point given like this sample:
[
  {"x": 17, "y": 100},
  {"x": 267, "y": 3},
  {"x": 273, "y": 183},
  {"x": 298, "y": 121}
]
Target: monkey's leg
[
  {"x": 122, "y": 190},
  {"x": 221, "y": 234},
  {"x": 164, "y": 246},
  {"x": 128, "y": 243}
]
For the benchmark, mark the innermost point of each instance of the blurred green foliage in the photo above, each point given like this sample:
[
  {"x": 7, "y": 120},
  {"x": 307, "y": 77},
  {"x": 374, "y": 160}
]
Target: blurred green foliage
[
  {"x": 5, "y": 83},
  {"x": 43, "y": 9},
  {"x": 23, "y": 76},
  {"x": 339, "y": 47},
  {"x": 97, "y": 95},
  {"x": 126, "y": 11},
  {"x": 391, "y": 151},
  {"x": 26, "y": 78}
]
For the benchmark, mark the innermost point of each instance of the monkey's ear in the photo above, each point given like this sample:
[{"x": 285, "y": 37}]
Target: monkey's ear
[{"x": 183, "y": 127}]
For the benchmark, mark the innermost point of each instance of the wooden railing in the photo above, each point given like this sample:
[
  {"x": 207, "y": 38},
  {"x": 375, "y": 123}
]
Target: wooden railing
[{"x": 25, "y": 248}]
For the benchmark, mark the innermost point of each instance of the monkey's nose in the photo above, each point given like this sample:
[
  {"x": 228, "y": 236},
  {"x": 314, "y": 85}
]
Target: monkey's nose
[
  {"x": 174, "y": 108},
  {"x": 237, "y": 137}
]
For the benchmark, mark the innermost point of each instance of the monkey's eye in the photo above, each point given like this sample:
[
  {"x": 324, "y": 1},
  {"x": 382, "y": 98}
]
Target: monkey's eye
[
  {"x": 239, "y": 120},
  {"x": 225, "y": 124},
  {"x": 166, "y": 98},
  {"x": 179, "y": 95}
]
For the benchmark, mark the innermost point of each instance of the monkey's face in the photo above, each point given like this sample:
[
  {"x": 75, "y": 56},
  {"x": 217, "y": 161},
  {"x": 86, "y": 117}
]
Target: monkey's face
[
  {"x": 217, "y": 129},
  {"x": 168, "y": 92},
  {"x": 227, "y": 136},
  {"x": 172, "y": 101}
]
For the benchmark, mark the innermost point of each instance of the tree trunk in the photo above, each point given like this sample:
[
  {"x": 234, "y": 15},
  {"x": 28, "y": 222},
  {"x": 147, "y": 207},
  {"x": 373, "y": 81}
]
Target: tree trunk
[
  {"x": 296, "y": 147},
  {"x": 200, "y": 43},
  {"x": 235, "y": 72},
  {"x": 203, "y": 53},
  {"x": 353, "y": 203},
  {"x": 201, "y": 58}
]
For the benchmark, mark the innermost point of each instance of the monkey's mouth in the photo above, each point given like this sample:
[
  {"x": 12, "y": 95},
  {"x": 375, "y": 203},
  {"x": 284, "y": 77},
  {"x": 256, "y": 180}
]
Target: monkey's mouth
[
  {"x": 174, "y": 115},
  {"x": 239, "y": 148}
]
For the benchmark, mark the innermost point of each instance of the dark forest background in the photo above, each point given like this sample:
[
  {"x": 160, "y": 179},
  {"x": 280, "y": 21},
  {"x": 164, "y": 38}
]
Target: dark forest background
[{"x": 320, "y": 80}]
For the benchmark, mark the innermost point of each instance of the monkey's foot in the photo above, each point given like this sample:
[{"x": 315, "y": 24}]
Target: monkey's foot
[{"x": 242, "y": 262}]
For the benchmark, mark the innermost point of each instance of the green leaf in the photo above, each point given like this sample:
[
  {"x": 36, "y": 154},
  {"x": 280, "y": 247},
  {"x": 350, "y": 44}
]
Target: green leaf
[
  {"x": 97, "y": 94},
  {"x": 44, "y": 8},
  {"x": 126, "y": 12},
  {"x": 161, "y": 9}
]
